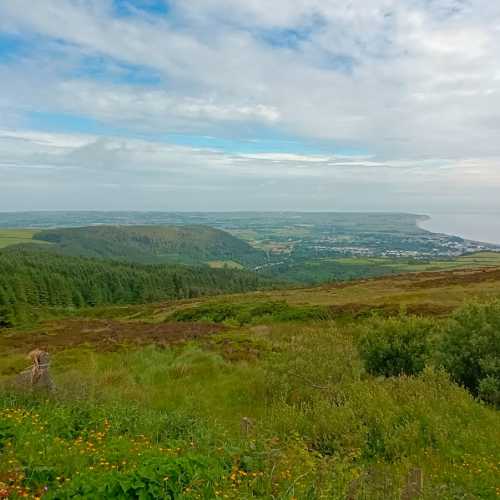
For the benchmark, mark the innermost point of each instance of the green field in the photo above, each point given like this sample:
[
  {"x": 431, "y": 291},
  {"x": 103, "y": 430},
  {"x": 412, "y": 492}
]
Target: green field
[
  {"x": 10, "y": 237},
  {"x": 351, "y": 268},
  {"x": 221, "y": 264},
  {"x": 480, "y": 259}
]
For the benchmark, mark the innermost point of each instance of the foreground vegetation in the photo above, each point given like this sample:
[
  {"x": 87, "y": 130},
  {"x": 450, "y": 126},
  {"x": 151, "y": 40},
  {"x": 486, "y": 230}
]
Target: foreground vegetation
[{"x": 300, "y": 394}]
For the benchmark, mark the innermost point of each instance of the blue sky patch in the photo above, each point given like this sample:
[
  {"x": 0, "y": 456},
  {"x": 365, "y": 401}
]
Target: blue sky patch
[
  {"x": 293, "y": 37},
  {"x": 69, "y": 123},
  {"x": 337, "y": 62},
  {"x": 12, "y": 46},
  {"x": 131, "y": 7},
  {"x": 273, "y": 143}
]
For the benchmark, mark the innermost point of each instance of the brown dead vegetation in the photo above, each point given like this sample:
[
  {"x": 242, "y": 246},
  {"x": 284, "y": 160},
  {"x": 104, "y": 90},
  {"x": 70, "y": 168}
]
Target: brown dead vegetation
[
  {"x": 451, "y": 278},
  {"x": 428, "y": 279},
  {"x": 105, "y": 335},
  {"x": 356, "y": 310}
]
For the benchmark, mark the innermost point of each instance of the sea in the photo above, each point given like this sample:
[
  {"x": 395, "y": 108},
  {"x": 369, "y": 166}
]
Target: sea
[{"x": 477, "y": 226}]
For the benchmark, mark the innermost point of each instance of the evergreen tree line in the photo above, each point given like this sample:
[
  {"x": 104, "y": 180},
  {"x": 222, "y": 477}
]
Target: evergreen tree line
[{"x": 41, "y": 278}]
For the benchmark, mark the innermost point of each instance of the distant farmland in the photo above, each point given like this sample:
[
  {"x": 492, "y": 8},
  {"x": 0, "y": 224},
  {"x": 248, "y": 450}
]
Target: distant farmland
[{"x": 9, "y": 237}]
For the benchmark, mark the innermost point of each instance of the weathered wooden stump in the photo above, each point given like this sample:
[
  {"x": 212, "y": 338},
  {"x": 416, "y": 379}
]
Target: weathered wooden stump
[
  {"x": 37, "y": 377},
  {"x": 40, "y": 375}
]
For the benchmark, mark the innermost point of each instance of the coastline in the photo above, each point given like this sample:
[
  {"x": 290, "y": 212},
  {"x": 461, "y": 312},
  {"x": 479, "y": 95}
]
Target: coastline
[{"x": 482, "y": 228}]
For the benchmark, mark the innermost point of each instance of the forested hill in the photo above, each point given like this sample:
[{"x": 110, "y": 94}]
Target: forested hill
[
  {"x": 40, "y": 278},
  {"x": 153, "y": 244}
]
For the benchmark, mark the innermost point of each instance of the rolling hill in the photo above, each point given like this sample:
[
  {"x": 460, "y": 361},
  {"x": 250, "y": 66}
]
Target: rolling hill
[{"x": 154, "y": 244}]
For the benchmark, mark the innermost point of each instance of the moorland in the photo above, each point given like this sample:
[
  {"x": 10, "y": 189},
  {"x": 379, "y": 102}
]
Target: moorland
[{"x": 174, "y": 380}]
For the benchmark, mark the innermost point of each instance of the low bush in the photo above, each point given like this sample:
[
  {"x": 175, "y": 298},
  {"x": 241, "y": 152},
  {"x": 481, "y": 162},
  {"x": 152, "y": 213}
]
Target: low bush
[
  {"x": 397, "y": 346},
  {"x": 470, "y": 349},
  {"x": 250, "y": 312}
]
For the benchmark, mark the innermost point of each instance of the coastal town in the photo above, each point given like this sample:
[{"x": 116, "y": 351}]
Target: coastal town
[{"x": 417, "y": 247}]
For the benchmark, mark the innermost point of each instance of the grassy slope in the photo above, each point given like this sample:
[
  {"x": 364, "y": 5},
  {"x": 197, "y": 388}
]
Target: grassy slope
[
  {"x": 450, "y": 289},
  {"x": 349, "y": 268},
  {"x": 153, "y": 244},
  {"x": 479, "y": 259},
  {"x": 436, "y": 293},
  {"x": 9, "y": 237},
  {"x": 169, "y": 421}
]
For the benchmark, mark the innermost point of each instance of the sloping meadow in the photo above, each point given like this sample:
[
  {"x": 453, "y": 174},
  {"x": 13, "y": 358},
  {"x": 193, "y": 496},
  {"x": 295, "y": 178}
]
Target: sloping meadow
[{"x": 282, "y": 402}]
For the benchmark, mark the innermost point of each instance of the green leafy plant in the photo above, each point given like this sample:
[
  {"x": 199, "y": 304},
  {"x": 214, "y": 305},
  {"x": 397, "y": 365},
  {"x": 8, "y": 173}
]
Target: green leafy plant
[
  {"x": 470, "y": 349},
  {"x": 396, "y": 346},
  {"x": 250, "y": 312}
]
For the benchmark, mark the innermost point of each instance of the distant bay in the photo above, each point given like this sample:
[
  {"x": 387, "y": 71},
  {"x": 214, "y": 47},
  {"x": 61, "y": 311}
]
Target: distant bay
[{"x": 475, "y": 226}]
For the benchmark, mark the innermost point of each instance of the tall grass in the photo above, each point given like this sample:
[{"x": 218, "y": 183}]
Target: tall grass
[{"x": 303, "y": 419}]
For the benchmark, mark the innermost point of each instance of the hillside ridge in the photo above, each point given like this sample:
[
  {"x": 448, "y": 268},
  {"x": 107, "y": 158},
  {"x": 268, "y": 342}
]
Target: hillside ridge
[{"x": 192, "y": 244}]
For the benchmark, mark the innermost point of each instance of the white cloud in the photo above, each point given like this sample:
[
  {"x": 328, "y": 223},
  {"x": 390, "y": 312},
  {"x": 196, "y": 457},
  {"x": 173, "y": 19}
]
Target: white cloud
[
  {"x": 62, "y": 141},
  {"x": 217, "y": 70},
  {"x": 149, "y": 107},
  {"x": 66, "y": 171},
  {"x": 280, "y": 157},
  {"x": 410, "y": 81}
]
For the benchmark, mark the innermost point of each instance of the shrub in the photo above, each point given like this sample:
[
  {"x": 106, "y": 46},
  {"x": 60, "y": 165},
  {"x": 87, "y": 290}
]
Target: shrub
[
  {"x": 396, "y": 346},
  {"x": 489, "y": 390},
  {"x": 243, "y": 313},
  {"x": 470, "y": 349}
]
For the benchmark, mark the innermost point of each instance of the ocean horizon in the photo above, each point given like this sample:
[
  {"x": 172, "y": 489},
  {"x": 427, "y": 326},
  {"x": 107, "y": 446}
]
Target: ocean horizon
[{"x": 476, "y": 226}]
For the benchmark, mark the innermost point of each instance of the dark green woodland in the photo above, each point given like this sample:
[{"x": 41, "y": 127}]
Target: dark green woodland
[{"x": 41, "y": 278}]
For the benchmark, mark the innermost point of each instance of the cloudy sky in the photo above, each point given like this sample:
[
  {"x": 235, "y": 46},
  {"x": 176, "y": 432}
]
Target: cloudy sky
[{"x": 250, "y": 104}]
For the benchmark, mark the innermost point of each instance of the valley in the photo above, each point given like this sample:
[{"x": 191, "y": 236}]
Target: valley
[
  {"x": 191, "y": 361},
  {"x": 302, "y": 248}
]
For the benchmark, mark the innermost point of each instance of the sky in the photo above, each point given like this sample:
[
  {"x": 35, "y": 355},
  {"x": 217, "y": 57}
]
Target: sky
[{"x": 324, "y": 105}]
